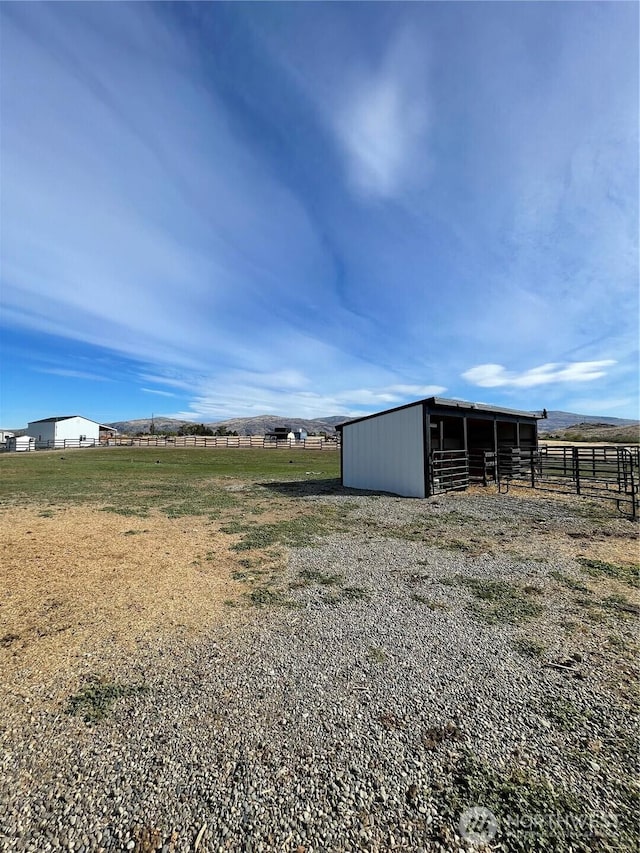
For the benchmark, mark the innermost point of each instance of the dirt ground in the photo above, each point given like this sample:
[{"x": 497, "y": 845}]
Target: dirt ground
[
  {"x": 77, "y": 581},
  {"x": 81, "y": 579}
]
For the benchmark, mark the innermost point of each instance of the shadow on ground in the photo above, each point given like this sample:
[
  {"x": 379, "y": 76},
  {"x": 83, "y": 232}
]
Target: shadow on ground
[{"x": 309, "y": 488}]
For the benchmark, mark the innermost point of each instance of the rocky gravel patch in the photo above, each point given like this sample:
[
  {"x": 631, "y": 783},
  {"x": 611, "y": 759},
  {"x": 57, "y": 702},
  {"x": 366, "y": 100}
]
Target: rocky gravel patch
[{"x": 392, "y": 683}]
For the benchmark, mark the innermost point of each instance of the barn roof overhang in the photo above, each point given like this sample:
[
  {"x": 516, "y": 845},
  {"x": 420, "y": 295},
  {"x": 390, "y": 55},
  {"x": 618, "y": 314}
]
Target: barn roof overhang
[{"x": 445, "y": 406}]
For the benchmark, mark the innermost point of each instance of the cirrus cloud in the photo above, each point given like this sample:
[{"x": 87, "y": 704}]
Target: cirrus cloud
[
  {"x": 383, "y": 121},
  {"x": 497, "y": 376}
]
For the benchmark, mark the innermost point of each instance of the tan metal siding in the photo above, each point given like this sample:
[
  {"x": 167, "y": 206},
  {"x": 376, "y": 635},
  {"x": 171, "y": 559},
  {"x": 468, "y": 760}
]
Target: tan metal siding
[{"x": 386, "y": 453}]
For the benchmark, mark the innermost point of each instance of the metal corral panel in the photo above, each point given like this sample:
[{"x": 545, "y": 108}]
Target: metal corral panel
[{"x": 386, "y": 453}]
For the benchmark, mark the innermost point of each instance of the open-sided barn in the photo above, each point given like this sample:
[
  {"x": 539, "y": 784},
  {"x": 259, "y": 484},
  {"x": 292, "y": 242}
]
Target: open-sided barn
[{"x": 432, "y": 445}]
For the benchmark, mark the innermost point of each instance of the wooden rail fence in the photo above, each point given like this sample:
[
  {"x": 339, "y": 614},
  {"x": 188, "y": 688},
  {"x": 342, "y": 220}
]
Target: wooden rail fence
[
  {"x": 208, "y": 441},
  {"x": 222, "y": 441}
]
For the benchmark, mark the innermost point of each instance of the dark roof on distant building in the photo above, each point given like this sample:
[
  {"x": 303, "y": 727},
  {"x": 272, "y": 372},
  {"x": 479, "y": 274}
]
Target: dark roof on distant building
[
  {"x": 53, "y": 420},
  {"x": 63, "y": 418}
]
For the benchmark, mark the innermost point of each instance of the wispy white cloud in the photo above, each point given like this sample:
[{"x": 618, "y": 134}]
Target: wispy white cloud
[
  {"x": 131, "y": 207},
  {"x": 382, "y": 120},
  {"x": 229, "y": 396},
  {"x": 68, "y": 373},
  {"x": 156, "y": 391},
  {"x": 200, "y": 223},
  {"x": 497, "y": 376},
  {"x": 417, "y": 390}
]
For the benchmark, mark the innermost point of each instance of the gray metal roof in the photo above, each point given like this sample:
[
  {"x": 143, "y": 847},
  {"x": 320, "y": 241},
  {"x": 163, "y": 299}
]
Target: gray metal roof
[
  {"x": 61, "y": 418},
  {"x": 481, "y": 407},
  {"x": 54, "y": 420},
  {"x": 435, "y": 403}
]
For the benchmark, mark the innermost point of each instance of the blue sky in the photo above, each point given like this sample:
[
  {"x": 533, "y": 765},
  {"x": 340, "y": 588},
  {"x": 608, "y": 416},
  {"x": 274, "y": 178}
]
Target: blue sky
[{"x": 218, "y": 210}]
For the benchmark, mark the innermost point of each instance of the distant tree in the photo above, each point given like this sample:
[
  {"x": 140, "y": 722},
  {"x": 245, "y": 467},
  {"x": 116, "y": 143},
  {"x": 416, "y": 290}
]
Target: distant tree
[
  {"x": 195, "y": 429},
  {"x": 222, "y": 430}
]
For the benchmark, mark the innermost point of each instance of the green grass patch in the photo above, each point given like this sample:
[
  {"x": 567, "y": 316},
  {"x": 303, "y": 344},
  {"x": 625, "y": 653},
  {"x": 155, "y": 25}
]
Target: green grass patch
[
  {"x": 564, "y": 715},
  {"x": 132, "y": 481},
  {"x": 600, "y": 609},
  {"x": 590, "y": 608},
  {"x": 376, "y": 654},
  {"x": 532, "y": 812},
  {"x": 138, "y": 512},
  {"x": 321, "y": 578},
  {"x": 355, "y": 593},
  {"x": 528, "y": 648},
  {"x": 347, "y": 593},
  {"x": 599, "y": 568},
  {"x": 498, "y": 600},
  {"x": 427, "y": 602},
  {"x": 297, "y": 532},
  {"x": 248, "y": 575},
  {"x": 569, "y": 582},
  {"x": 94, "y": 701},
  {"x": 264, "y": 596}
]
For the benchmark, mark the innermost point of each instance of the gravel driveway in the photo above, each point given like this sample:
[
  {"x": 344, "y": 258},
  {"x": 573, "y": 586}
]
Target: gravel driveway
[{"x": 434, "y": 656}]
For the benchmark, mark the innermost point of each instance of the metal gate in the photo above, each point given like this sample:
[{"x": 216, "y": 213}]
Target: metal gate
[
  {"x": 449, "y": 470},
  {"x": 602, "y": 473}
]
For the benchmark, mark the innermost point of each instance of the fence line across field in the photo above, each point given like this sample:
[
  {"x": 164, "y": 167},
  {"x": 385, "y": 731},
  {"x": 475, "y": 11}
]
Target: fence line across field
[
  {"x": 207, "y": 441},
  {"x": 599, "y": 472}
]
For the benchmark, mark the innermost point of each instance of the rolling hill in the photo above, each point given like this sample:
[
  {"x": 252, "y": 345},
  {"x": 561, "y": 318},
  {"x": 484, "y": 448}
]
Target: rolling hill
[
  {"x": 558, "y": 420},
  {"x": 564, "y": 425},
  {"x": 243, "y": 426}
]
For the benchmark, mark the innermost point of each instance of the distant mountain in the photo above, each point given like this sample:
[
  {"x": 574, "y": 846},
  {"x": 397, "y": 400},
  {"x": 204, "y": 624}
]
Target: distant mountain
[
  {"x": 557, "y": 420},
  {"x": 243, "y": 426},
  {"x": 597, "y": 432},
  {"x": 144, "y": 425},
  {"x": 333, "y": 419},
  {"x": 265, "y": 423},
  {"x": 555, "y": 423}
]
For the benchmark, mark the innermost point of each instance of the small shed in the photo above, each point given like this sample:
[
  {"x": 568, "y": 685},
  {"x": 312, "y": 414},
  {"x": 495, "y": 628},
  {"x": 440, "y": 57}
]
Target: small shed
[
  {"x": 432, "y": 445},
  {"x": 17, "y": 443},
  {"x": 65, "y": 431}
]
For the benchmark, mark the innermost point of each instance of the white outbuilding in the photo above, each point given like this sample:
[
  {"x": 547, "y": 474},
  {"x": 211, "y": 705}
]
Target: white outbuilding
[
  {"x": 18, "y": 443},
  {"x": 433, "y": 445},
  {"x": 65, "y": 431}
]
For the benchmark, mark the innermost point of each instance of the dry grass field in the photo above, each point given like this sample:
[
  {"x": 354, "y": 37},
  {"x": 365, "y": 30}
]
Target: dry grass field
[
  {"x": 116, "y": 549},
  {"x": 76, "y": 579}
]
